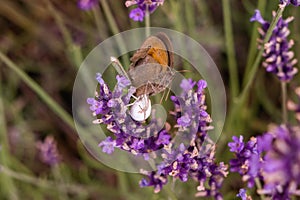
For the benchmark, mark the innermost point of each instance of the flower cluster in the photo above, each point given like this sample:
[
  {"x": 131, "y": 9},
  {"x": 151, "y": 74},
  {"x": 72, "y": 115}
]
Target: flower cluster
[
  {"x": 86, "y": 4},
  {"x": 246, "y": 161},
  {"x": 48, "y": 151},
  {"x": 278, "y": 57},
  {"x": 111, "y": 109},
  {"x": 195, "y": 159},
  {"x": 138, "y": 14},
  {"x": 274, "y": 159},
  {"x": 187, "y": 152},
  {"x": 293, "y": 2},
  {"x": 242, "y": 194}
]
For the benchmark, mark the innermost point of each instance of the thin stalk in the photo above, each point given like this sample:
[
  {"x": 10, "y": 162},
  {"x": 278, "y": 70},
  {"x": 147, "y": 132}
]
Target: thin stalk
[
  {"x": 114, "y": 28},
  {"x": 42, "y": 182},
  {"x": 175, "y": 6},
  {"x": 97, "y": 17},
  {"x": 190, "y": 17},
  {"x": 239, "y": 102},
  {"x": 261, "y": 6},
  {"x": 58, "y": 176},
  {"x": 169, "y": 189},
  {"x": 7, "y": 184},
  {"x": 284, "y": 100},
  {"x": 123, "y": 185},
  {"x": 56, "y": 108},
  {"x": 259, "y": 187},
  {"x": 73, "y": 49},
  {"x": 260, "y": 53},
  {"x": 232, "y": 64},
  {"x": 147, "y": 21},
  {"x": 248, "y": 6}
]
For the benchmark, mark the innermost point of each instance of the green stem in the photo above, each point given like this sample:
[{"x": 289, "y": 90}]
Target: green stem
[
  {"x": 260, "y": 53},
  {"x": 97, "y": 17},
  {"x": 284, "y": 100},
  {"x": 59, "y": 178},
  {"x": 39, "y": 91},
  {"x": 239, "y": 102},
  {"x": 123, "y": 185},
  {"x": 190, "y": 17},
  {"x": 147, "y": 22},
  {"x": 169, "y": 189},
  {"x": 73, "y": 49},
  {"x": 248, "y": 5},
  {"x": 258, "y": 185},
  {"x": 41, "y": 182},
  {"x": 114, "y": 28},
  {"x": 261, "y": 6},
  {"x": 7, "y": 184},
  {"x": 175, "y": 6},
  {"x": 232, "y": 64}
]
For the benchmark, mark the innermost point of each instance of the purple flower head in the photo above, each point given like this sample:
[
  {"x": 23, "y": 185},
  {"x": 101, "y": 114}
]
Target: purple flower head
[
  {"x": 182, "y": 159},
  {"x": 139, "y": 13},
  {"x": 201, "y": 85},
  {"x": 278, "y": 56},
  {"x": 163, "y": 138},
  {"x": 184, "y": 121},
  {"x": 257, "y": 17},
  {"x": 293, "y": 2},
  {"x": 246, "y": 162},
  {"x": 122, "y": 81},
  {"x": 282, "y": 161},
  {"x": 242, "y": 194},
  {"x": 276, "y": 165},
  {"x": 237, "y": 145},
  {"x": 48, "y": 151},
  {"x": 108, "y": 145},
  {"x": 86, "y": 4},
  {"x": 187, "y": 84}
]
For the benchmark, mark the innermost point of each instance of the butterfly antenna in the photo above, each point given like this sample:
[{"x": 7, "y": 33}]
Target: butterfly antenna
[{"x": 117, "y": 65}]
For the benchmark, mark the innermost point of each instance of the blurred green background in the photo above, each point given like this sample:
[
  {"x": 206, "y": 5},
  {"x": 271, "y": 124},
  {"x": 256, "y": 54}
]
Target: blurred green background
[{"x": 47, "y": 40}]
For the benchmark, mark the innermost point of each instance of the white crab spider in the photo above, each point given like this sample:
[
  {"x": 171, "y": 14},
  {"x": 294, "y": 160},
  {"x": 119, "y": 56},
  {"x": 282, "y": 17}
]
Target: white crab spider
[{"x": 141, "y": 108}]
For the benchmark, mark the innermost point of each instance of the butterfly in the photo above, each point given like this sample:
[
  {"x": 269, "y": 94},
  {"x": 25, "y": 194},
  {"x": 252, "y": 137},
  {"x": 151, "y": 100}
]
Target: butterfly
[{"x": 150, "y": 72}]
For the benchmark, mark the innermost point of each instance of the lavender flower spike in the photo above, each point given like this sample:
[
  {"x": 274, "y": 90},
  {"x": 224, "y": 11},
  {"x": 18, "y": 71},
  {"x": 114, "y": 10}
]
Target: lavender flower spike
[
  {"x": 48, "y": 151},
  {"x": 139, "y": 13},
  {"x": 242, "y": 194},
  {"x": 278, "y": 56},
  {"x": 273, "y": 159},
  {"x": 181, "y": 161},
  {"x": 293, "y": 2},
  {"x": 86, "y": 4}
]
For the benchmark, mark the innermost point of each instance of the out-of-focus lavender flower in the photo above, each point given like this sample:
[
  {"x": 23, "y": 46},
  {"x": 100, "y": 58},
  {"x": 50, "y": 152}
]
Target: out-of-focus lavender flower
[
  {"x": 275, "y": 163},
  {"x": 139, "y": 13},
  {"x": 195, "y": 159},
  {"x": 293, "y": 2},
  {"x": 108, "y": 145},
  {"x": 295, "y": 106},
  {"x": 244, "y": 162},
  {"x": 281, "y": 163},
  {"x": 242, "y": 194},
  {"x": 87, "y": 4},
  {"x": 278, "y": 56},
  {"x": 48, "y": 151}
]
